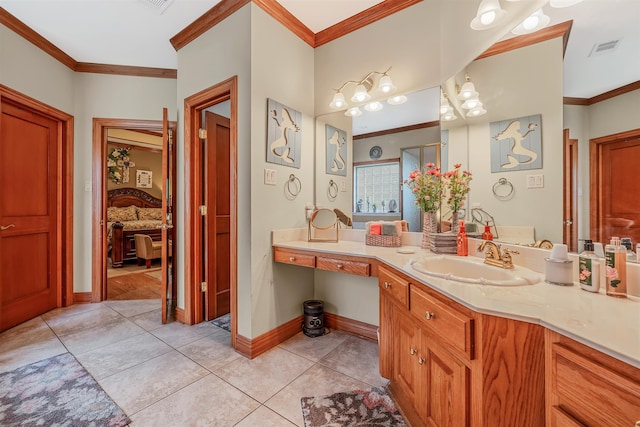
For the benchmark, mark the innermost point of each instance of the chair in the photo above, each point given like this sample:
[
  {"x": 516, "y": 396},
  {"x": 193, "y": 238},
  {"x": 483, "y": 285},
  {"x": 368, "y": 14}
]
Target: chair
[{"x": 146, "y": 249}]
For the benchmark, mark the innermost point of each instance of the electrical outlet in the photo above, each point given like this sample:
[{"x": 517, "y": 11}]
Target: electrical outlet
[
  {"x": 87, "y": 186},
  {"x": 270, "y": 177}
]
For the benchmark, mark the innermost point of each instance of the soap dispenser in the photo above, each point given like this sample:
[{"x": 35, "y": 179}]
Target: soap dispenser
[
  {"x": 487, "y": 233},
  {"x": 589, "y": 268},
  {"x": 462, "y": 241},
  {"x": 616, "y": 264}
]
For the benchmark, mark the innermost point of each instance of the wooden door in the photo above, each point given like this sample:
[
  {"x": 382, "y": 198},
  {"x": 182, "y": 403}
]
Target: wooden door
[
  {"x": 217, "y": 220},
  {"x": 615, "y": 207},
  {"x": 406, "y": 342},
  {"x": 570, "y": 196},
  {"x": 168, "y": 288},
  {"x": 30, "y": 203}
]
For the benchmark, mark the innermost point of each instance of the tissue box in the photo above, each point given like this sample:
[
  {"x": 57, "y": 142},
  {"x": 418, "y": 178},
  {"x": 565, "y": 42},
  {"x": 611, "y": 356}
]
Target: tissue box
[{"x": 386, "y": 241}]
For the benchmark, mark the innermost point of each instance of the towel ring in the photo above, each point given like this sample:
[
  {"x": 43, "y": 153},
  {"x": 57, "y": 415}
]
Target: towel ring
[
  {"x": 332, "y": 190},
  {"x": 504, "y": 194},
  {"x": 293, "y": 186}
]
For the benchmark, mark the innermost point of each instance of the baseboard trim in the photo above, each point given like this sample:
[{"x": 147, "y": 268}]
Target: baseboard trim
[
  {"x": 179, "y": 314},
  {"x": 82, "y": 297},
  {"x": 354, "y": 327},
  {"x": 254, "y": 347}
]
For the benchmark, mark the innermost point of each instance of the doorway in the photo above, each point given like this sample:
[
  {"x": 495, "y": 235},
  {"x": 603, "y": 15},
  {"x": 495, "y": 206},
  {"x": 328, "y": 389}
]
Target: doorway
[
  {"x": 211, "y": 233},
  {"x": 570, "y": 192},
  {"x": 126, "y": 209},
  {"x": 36, "y": 164}
]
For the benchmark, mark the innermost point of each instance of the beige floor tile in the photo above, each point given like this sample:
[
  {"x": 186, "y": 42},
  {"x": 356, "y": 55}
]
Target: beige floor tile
[
  {"x": 317, "y": 381},
  {"x": 31, "y": 331},
  {"x": 213, "y": 351},
  {"x": 265, "y": 375},
  {"x": 206, "y": 402},
  {"x": 130, "y": 308},
  {"x": 357, "y": 358},
  {"x": 264, "y": 417},
  {"x": 69, "y": 324},
  {"x": 148, "y": 321},
  {"x": 110, "y": 359},
  {"x": 314, "y": 348},
  {"x": 98, "y": 336},
  {"x": 178, "y": 334},
  {"x": 30, "y": 352},
  {"x": 145, "y": 384},
  {"x": 71, "y": 311}
]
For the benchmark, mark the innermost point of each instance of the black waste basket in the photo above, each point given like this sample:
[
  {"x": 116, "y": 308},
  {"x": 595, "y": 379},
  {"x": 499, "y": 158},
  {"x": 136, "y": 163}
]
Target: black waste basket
[{"x": 313, "y": 325}]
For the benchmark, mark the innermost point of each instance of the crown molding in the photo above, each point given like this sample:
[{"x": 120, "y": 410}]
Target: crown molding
[
  {"x": 603, "y": 96},
  {"x": 126, "y": 70},
  {"x": 396, "y": 130}
]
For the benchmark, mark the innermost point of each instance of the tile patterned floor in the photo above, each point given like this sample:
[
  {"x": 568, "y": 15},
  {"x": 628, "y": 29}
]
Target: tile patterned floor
[{"x": 188, "y": 375}]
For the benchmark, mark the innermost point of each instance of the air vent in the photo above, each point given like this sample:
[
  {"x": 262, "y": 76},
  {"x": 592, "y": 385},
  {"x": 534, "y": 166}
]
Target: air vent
[
  {"x": 602, "y": 48},
  {"x": 159, "y": 5}
]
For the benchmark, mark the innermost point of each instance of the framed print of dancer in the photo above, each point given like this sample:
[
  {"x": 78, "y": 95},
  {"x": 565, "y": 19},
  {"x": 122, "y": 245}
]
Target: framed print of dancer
[
  {"x": 336, "y": 151},
  {"x": 284, "y": 139},
  {"x": 516, "y": 144}
]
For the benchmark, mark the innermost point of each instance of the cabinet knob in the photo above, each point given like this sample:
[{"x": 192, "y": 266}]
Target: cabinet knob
[
  {"x": 412, "y": 351},
  {"x": 292, "y": 258},
  {"x": 339, "y": 266},
  {"x": 387, "y": 285},
  {"x": 429, "y": 315},
  {"x": 420, "y": 360}
]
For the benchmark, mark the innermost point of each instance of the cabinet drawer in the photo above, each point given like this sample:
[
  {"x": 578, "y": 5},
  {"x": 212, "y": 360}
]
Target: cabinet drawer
[
  {"x": 590, "y": 392},
  {"x": 343, "y": 266},
  {"x": 442, "y": 320},
  {"x": 394, "y": 287},
  {"x": 295, "y": 258},
  {"x": 559, "y": 418}
]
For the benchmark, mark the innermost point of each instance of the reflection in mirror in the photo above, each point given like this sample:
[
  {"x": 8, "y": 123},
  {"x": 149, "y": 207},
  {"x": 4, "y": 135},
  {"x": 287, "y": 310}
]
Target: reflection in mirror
[
  {"x": 323, "y": 226},
  {"x": 376, "y": 139}
]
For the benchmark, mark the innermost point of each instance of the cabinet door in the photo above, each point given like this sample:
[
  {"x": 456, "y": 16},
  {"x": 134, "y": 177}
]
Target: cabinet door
[
  {"x": 406, "y": 370},
  {"x": 444, "y": 397}
]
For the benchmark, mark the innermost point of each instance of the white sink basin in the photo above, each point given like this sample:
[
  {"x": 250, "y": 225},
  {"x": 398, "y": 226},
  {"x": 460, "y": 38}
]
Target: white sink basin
[{"x": 474, "y": 270}]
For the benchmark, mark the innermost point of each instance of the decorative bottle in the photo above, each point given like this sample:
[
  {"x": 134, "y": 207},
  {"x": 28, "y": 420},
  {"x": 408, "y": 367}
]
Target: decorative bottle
[
  {"x": 487, "y": 233},
  {"x": 616, "y": 265},
  {"x": 589, "y": 268},
  {"x": 463, "y": 241}
]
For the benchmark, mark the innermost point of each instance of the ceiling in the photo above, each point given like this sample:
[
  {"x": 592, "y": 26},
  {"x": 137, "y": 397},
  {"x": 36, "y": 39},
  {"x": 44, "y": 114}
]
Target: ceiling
[{"x": 132, "y": 32}]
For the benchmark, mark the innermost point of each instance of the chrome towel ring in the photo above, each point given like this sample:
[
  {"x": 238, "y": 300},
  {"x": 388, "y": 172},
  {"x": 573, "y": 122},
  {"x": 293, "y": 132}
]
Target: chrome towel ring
[
  {"x": 503, "y": 189},
  {"x": 293, "y": 186},
  {"x": 332, "y": 191}
]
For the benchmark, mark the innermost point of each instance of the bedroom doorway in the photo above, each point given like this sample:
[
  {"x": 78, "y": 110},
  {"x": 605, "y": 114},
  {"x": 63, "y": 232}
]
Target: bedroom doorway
[{"x": 130, "y": 157}]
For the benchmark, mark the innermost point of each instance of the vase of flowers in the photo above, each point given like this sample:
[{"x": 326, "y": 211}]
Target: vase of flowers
[
  {"x": 456, "y": 187},
  {"x": 428, "y": 187}
]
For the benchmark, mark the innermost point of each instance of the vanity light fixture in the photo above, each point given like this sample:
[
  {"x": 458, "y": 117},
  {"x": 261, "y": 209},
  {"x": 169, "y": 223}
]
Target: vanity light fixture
[
  {"x": 470, "y": 98},
  {"x": 397, "y": 100},
  {"x": 353, "y": 112},
  {"x": 563, "y": 3},
  {"x": 363, "y": 88},
  {"x": 533, "y": 23},
  {"x": 374, "y": 106},
  {"x": 447, "y": 113},
  {"x": 489, "y": 14},
  {"x": 468, "y": 89}
]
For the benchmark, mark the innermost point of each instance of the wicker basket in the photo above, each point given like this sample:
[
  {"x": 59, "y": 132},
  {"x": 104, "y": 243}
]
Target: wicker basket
[{"x": 386, "y": 241}]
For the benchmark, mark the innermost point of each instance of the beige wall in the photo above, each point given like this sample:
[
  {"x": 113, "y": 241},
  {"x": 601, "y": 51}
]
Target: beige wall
[{"x": 144, "y": 160}]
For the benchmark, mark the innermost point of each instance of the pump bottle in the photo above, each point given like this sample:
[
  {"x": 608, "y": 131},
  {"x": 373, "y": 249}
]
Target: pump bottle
[
  {"x": 463, "y": 241},
  {"x": 487, "y": 233},
  {"x": 616, "y": 265},
  {"x": 589, "y": 268}
]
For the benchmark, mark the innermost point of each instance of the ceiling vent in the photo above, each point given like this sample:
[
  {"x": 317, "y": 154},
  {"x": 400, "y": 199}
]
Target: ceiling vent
[
  {"x": 602, "y": 48},
  {"x": 159, "y": 5}
]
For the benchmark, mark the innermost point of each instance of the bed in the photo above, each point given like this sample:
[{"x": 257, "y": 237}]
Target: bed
[{"x": 130, "y": 211}]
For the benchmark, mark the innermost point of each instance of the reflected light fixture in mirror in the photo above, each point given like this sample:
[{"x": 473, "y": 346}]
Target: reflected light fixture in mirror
[
  {"x": 490, "y": 13},
  {"x": 447, "y": 113},
  {"x": 533, "y": 23},
  {"x": 470, "y": 98},
  {"x": 397, "y": 100},
  {"x": 373, "y": 106},
  {"x": 353, "y": 112}
]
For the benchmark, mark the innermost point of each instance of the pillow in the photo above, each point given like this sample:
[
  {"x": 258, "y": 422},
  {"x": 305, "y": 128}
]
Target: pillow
[
  {"x": 150, "y": 214},
  {"x": 121, "y": 214}
]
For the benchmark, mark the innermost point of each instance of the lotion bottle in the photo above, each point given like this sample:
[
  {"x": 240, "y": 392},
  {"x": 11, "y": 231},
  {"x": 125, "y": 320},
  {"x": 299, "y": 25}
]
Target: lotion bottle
[
  {"x": 616, "y": 265},
  {"x": 463, "y": 241},
  {"x": 487, "y": 233},
  {"x": 589, "y": 268}
]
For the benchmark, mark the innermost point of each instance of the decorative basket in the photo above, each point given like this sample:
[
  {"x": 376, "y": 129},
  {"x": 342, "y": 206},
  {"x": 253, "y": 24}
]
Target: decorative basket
[{"x": 386, "y": 241}]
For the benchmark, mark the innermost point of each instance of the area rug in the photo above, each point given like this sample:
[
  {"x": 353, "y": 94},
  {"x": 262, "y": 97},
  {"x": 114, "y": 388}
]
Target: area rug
[
  {"x": 223, "y": 322},
  {"x": 358, "y": 408},
  {"x": 56, "y": 392}
]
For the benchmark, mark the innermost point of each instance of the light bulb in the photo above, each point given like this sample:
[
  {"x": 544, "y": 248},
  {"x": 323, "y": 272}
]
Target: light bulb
[
  {"x": 385, "y": 85},
  {"x": 338, "y": 101},
  {"x": 397, "y": 100},
  {"x": 353, "y": 112},
  {"x": 487, "y": 18},
  {"x": 360, "y": 94},
  {"x": 373, "y": 106}
]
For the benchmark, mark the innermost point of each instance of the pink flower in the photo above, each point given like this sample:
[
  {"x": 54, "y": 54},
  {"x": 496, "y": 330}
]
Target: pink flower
[
  {"x": 457, "y": 165},
  {"x": 413, "y": 174},
  {"x": 611, "y": 273},
  {"x": 430, "y": 165},
  {"x": 584, "y": 274}
]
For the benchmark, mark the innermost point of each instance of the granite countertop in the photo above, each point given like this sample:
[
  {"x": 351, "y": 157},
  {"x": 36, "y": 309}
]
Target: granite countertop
[{"x": 608, "y": 324}]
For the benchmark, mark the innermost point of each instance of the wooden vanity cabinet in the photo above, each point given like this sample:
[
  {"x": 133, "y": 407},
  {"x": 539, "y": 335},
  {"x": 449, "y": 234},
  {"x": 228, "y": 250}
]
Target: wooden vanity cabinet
[
  {"x": 451, "y": 366},
  {"x": 337, "y": 263},
  {"x": 588, "y": 388}
]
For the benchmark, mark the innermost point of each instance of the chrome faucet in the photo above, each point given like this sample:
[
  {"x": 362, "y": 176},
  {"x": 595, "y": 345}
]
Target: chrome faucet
[{"x": 495, "y": 256}]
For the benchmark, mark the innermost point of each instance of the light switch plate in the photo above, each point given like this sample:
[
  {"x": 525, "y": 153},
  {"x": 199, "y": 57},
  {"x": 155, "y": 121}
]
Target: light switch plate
[
  {"x": 270, "y": 177},
  {"x": 535, "y": 181},
  {"x": 344, "y": 186}
]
